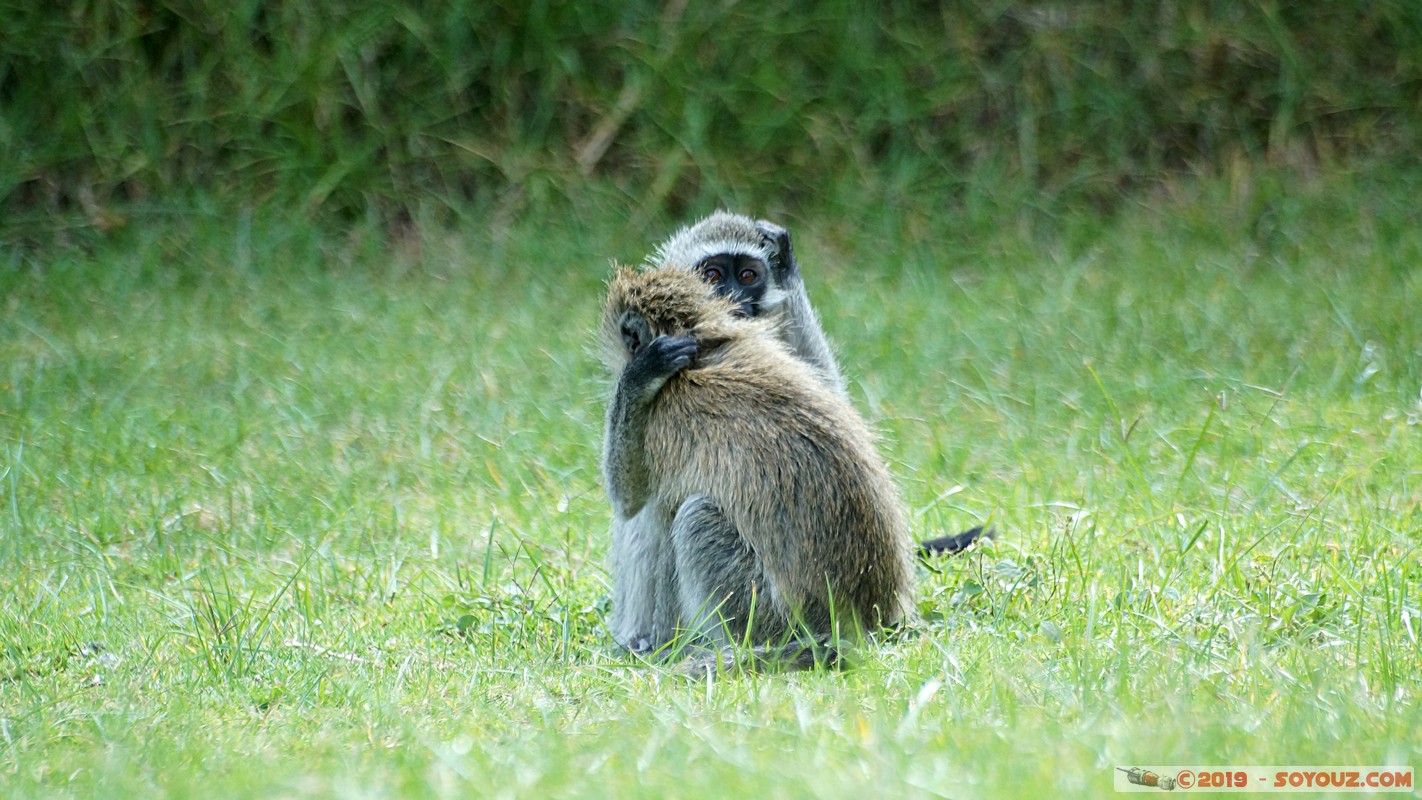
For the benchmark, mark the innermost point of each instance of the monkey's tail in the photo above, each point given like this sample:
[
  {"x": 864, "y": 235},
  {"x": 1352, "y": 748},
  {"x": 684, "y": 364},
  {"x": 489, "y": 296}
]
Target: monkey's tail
[{"x": 956, "y": 543}]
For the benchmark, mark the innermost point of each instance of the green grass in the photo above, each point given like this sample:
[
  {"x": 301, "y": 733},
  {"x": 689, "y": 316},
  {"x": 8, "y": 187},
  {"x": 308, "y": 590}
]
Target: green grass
[{"x": 286, "y": 512}]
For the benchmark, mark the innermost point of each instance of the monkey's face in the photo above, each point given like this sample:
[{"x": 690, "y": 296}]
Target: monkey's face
[{"x": 741, "y": 278}]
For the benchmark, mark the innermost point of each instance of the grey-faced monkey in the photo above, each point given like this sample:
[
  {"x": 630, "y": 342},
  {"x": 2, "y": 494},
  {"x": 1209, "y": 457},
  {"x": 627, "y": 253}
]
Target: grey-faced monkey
[
  {"x": 752, "y": 264},
  {"x": 749, "y": 501}
]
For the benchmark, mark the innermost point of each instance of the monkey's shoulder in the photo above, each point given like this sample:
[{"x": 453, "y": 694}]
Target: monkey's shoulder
[
  {"x": 763, "y": 364},
  {"x": 770, "y": 392}
]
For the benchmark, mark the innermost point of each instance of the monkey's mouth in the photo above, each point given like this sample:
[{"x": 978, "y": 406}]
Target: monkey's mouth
[{"x": 748, "y": 308}]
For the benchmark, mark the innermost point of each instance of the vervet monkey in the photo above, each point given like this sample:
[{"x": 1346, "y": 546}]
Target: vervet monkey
[
  {"x": 752, "y": 264},
  {"x": 749, "y": 501}
]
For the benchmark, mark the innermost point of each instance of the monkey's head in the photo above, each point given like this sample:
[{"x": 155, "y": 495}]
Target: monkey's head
[
  {"x": 737, "y": 256},
  {"x": 662, "y": 302}
]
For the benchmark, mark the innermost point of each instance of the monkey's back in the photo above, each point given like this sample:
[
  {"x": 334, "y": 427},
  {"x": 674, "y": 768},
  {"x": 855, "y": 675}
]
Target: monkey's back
[{"x": 797, "y": 471}]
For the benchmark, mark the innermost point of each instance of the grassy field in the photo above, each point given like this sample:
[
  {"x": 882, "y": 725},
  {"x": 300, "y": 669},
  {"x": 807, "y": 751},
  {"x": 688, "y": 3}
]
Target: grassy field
[{"x": 291, "y": 513}]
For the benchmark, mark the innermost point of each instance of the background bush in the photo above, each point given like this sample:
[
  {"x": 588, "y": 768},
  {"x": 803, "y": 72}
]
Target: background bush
[{"x": 356, "y": 108}]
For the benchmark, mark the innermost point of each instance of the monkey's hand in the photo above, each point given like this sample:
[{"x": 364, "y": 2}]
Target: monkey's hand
[
  {"x": 654, "y": 363},
  {"x": 782, "y": 264}
]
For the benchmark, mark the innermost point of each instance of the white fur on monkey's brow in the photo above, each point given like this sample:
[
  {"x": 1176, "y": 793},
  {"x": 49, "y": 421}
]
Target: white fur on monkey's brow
[{"x": 722, "y": 232}]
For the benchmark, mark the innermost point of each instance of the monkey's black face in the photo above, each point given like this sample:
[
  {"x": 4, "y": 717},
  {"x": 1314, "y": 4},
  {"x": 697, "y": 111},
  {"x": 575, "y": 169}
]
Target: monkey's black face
[{"x": 737, "y": 277}]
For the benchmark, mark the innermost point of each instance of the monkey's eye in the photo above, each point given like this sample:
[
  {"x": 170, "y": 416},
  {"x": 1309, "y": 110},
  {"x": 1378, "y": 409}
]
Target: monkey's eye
[
  {"x": 712, "y": 274},
  {"x": 746, "y": 276}
]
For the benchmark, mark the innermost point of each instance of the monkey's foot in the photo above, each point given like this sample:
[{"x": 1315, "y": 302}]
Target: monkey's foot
[
  {"x": 792, "y": 656},
  {"x": 647, "y": 647}
]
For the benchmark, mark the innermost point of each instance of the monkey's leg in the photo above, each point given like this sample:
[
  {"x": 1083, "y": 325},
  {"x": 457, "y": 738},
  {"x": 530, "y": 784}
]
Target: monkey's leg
[
  {"x": 644, "y": 596},
  {"x": 722, "y": 586},
  {"x": 643, "y": 588},
  {"x": 724, "y": 589}
]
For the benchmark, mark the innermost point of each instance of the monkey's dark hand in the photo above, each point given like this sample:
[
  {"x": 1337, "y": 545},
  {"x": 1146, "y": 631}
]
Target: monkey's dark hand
[
  {"x": 657, "y": 361},
  {"x": 666, "y": 355},
  {"x": 782, "y": 263}
]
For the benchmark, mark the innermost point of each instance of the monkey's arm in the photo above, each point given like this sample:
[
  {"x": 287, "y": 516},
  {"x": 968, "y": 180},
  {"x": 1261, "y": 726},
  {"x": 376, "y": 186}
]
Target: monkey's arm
[
  {"x": 624, "y": 455},
  {"x": 802, "y": 331},
  {"x": 643, "y": 589}
]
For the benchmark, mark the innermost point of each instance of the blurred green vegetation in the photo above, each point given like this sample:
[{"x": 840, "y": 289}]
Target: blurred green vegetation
[{"x": 393, "y": 109}]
